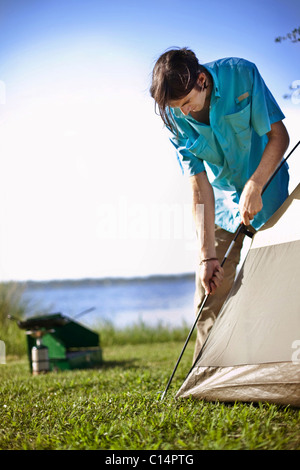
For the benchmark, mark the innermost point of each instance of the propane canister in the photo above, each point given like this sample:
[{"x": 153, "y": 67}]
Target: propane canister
[{"x": 39, "y": 359}]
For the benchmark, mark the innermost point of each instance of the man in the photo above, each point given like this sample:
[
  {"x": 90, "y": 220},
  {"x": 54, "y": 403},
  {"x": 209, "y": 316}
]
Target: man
[{"x": 227, "y": 129}]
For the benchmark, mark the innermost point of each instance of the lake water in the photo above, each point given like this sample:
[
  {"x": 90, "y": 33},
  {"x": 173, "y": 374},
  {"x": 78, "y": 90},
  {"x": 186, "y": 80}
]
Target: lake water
[{"x": 166, "y": 300}]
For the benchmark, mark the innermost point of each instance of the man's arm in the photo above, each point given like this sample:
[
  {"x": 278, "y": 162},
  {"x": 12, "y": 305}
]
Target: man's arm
[
  {"x": 251, "y": 201},
  {"x": 211, "y": 273}
]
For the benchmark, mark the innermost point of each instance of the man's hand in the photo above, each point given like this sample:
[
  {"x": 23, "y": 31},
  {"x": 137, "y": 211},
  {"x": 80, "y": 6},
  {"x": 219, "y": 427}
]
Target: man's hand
[
  {"x": 211, "y": 275},
  {"x": 250, "y": 202}
]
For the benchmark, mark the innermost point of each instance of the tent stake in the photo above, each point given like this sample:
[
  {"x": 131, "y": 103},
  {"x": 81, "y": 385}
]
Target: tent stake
[{"x": 242, "y": 228}]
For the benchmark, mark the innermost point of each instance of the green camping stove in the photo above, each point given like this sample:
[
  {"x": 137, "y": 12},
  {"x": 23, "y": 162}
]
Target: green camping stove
[{"x": 56, "y": 342}]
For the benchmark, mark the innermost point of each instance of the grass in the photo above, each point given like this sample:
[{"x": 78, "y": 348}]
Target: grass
[{"x": 117, "y": 406}]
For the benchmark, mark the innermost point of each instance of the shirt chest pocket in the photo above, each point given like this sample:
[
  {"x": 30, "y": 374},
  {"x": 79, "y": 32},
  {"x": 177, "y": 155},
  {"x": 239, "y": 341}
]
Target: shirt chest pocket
[
  {"x": 238, "y": 125},
  {"x": 239, "y": 121},
  {"x": 201, "y": 149}
]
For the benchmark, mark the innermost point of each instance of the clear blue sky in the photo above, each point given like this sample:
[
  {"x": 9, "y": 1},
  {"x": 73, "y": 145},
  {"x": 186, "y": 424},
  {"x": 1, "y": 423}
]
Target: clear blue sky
[{"x": 85, "y": 163}]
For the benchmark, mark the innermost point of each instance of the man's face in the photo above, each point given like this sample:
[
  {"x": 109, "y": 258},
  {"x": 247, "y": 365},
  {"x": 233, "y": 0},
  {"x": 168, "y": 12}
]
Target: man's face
[{"x": 194, "y": 101}]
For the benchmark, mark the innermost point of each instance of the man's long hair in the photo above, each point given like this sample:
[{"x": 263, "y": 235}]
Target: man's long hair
[{"x": 174, "y": 76}]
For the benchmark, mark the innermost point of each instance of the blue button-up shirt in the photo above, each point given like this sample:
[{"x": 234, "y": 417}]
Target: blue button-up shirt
[{"x": 230, "y": 148}]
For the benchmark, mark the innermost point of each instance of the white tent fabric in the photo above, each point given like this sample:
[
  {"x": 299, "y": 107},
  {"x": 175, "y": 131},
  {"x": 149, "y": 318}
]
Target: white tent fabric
[{"x": 253, "y": 351}]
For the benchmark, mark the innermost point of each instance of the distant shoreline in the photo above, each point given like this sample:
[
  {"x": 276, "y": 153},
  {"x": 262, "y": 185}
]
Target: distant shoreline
[{"x": 102, "y": 281}]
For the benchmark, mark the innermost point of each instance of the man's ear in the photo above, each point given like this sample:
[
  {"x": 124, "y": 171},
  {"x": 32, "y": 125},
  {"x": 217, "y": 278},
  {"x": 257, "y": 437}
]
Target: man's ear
[{"x": 201, "y": 79}]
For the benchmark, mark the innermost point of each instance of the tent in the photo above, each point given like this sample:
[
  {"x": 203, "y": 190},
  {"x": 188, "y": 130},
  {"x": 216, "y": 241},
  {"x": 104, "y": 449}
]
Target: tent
[{"x": 252, "y": 353}]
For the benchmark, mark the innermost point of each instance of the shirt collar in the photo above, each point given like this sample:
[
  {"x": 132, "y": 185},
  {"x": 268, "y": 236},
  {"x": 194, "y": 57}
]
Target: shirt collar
[{"x": 216, "y": 87}]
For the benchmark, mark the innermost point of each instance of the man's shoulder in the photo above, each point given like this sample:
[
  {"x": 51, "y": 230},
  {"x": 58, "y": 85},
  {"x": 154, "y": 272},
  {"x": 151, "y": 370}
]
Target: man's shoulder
[{"x": 230, "y": 63}]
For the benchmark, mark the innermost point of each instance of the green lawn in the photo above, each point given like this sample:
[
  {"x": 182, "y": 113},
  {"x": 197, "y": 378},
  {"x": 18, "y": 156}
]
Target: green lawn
[{"x": 117, "y": 407}]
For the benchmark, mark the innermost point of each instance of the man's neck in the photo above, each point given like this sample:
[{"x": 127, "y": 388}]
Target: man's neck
[{"x": 203, "y": 115}]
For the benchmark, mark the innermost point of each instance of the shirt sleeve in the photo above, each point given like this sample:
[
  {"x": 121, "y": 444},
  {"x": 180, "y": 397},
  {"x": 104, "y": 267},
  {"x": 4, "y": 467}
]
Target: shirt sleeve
[
  {"x": 264, "y": 110},
  {"x": 187, "y": 160}
]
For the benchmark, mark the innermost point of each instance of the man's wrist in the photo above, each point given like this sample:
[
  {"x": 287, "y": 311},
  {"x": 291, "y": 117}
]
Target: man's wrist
[
  {"x": 207, "y": 253},
  {"x": 255, "y": 182},
  {"x": 207, "y": 260}
]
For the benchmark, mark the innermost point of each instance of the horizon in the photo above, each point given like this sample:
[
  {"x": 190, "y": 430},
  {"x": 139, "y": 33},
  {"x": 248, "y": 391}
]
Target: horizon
[{"x": 104, "y": 280}]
